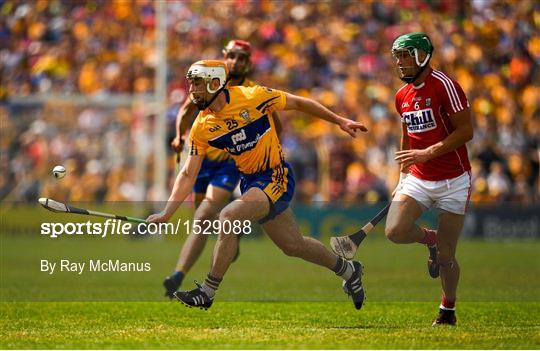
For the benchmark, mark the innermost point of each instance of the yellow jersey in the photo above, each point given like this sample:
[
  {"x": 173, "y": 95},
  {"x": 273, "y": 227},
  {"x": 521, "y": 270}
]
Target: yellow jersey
[
  {"x": 218, "y": 155},
  {"x": 244, "y": 128}
]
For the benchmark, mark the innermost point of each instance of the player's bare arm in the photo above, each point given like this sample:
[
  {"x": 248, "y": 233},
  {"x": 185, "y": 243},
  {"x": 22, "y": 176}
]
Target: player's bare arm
[
  {"x": 405, "y": 145},
  {"x": 313, "y": 108},
  {"x": 463, "y": 132},
  {"x": 182, "y": 188},
  {"x": 185, "y": 117},
  {"x": 277, "y": 123}
]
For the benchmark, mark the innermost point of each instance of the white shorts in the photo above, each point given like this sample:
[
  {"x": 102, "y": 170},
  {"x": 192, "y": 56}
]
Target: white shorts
[{"x": 450, "y": 195}]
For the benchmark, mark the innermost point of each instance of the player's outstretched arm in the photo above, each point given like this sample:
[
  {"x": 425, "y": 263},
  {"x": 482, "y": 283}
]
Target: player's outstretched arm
[
  {"x": 185, "y": 117},
  {"x": 182, "y": 188},
  {"x": 312, "y": 107},
  {"x": 463, "y": 132},
  {"x": 403, "y": 171}
]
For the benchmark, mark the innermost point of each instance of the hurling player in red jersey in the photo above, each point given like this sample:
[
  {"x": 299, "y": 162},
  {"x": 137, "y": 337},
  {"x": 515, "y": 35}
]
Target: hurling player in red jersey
[{"x": 435, "y": 169}]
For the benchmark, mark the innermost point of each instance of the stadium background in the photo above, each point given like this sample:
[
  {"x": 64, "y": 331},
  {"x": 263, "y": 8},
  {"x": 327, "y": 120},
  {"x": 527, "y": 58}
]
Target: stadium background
[
  {"x": 81, "y": 86},
  {"x": 336, "y": 52}
]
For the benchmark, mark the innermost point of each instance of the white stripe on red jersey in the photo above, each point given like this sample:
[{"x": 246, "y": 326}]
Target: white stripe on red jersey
[{"x": 450, "y": 89}]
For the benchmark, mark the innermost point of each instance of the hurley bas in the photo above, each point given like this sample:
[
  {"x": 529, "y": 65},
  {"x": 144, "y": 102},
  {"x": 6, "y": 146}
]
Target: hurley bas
[{"x": 94, "y": 266}]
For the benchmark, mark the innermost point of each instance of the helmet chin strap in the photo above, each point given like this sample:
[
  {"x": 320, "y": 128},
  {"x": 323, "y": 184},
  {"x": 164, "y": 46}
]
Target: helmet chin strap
[
  {"x": 205, "y": 104},
  {"x": 422, "y": 66}
]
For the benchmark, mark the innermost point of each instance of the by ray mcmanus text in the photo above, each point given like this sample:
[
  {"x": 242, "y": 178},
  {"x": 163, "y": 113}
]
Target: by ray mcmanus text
[{"x": 79, "y": 267}]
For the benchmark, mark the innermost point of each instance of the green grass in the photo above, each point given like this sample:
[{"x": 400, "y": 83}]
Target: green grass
[
  {"x": 265, "y": 325},
  {"x": 267, "y": 300}
]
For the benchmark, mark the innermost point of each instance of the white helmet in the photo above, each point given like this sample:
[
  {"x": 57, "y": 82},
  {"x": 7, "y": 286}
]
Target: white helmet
[{"x": 209, "y": 70}]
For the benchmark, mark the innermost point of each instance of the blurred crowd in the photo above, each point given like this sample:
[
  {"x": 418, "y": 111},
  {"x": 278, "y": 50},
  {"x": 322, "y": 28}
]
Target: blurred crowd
[{"x": 337, "y": 52}]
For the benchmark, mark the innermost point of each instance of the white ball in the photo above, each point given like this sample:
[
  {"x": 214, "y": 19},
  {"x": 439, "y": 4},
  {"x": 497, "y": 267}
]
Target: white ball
[{"x": 59, "y": 172}]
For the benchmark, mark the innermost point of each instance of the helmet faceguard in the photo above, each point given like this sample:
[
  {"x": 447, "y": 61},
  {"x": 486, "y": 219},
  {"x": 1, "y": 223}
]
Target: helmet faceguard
[
  {"x": 208, "y": 70},
  {"x": 238, "y": 47},
  {"x": 413, "y": 44}
]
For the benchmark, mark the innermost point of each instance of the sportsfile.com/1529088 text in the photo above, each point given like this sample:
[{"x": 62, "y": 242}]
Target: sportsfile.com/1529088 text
[{"x": 117, "y": 227}]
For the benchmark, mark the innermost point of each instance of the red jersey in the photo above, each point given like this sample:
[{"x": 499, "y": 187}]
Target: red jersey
[{"x": 427, "y": 111}]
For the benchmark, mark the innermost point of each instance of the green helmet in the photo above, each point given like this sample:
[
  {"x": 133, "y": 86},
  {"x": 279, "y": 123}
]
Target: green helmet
[
  {"x": 412, "y": 42},
  {"x": 418, "y": 40}
]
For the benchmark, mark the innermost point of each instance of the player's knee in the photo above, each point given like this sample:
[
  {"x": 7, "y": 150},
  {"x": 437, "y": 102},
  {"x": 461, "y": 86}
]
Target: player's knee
[
  {"x": 227, "y": 214},
  {"x": 395, "y": 234}
]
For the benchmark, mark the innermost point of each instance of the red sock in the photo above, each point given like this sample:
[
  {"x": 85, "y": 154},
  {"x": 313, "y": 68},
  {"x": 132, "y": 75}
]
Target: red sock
[
  {"x": 448, "y": 304},
  {"x": 430, "y": 237}
]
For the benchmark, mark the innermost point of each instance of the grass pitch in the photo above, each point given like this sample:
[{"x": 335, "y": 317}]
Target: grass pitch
[
  {"x": 267, "y": 300},
  {"x": 266, "y": 325}
]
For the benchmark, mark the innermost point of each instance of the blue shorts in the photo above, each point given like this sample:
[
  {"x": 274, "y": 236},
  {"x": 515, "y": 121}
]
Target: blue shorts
[
  {"x": 221, "y": 174},
  {"x": 278, "y": 185}
]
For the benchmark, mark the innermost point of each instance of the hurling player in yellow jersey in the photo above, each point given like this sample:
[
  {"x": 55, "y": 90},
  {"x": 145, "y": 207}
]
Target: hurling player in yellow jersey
[
  {"x": 218, "y": 176},
  {"x": 236, "y": 119}
]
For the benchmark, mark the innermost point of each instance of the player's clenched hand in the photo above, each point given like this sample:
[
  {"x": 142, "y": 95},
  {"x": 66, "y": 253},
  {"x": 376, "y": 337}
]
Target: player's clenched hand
[
  {"x": 177, "y": 144},
  {"x": 412, "y": 156},
  {"x": 350, "y": 127},
  {"x": 160, "y": 217}
]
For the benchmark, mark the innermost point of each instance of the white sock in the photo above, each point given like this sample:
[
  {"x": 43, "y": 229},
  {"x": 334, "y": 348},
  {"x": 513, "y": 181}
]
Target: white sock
[
  {"x": 348, "y": 271},
  {"x": 446, "y": 308},
  {"x": 208, "y": 290}
]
